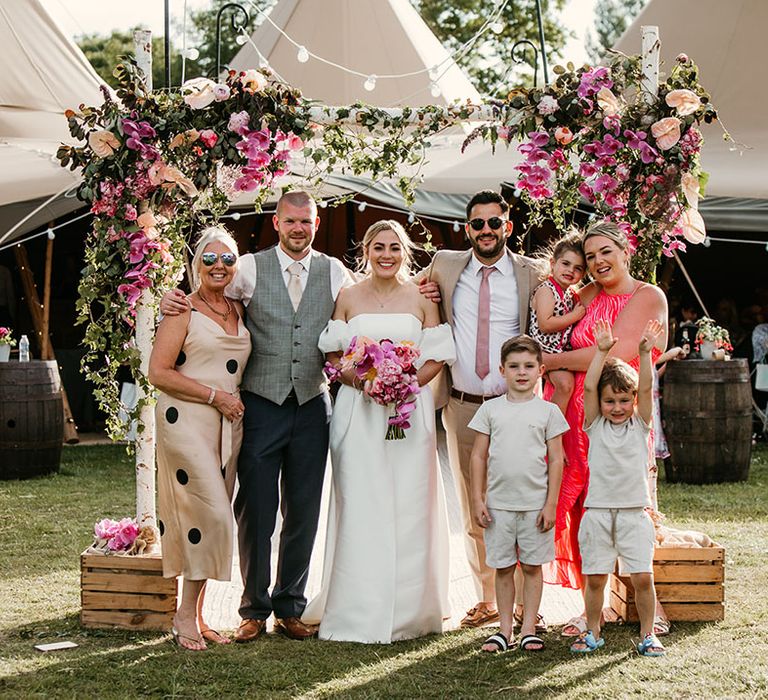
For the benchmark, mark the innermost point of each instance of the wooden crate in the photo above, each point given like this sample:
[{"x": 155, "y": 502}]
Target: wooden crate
[
  {"x": 128, "y": 592},
  {"x": 689, "y": 583}
]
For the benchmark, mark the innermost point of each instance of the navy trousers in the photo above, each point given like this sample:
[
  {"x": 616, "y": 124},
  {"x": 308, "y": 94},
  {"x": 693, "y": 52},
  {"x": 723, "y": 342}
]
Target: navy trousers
[{"x": 282, "y": 463}]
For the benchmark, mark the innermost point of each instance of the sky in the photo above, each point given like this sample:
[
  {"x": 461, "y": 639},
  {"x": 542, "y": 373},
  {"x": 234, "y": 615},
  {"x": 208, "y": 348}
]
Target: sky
[{"x": 87, "y": 16}]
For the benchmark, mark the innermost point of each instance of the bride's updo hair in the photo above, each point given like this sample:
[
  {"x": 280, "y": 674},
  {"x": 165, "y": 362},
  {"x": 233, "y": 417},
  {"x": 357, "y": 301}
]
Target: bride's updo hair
[
  {"x": 406, "y": 245},
  {"x": 607, "y": 229}
]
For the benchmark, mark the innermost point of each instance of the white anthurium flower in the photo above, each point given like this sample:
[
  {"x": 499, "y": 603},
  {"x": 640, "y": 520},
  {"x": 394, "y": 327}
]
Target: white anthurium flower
[{"x": 199, "y": 92}]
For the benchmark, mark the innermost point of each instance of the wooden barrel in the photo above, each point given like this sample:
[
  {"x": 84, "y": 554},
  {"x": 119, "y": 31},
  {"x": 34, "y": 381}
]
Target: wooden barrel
[
  {"x": 31, "y": 419},
  {"x": 707, "y": 411}
]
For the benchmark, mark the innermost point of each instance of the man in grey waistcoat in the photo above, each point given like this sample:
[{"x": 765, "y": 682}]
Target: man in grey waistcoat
[{"x": 289, "y": 292}]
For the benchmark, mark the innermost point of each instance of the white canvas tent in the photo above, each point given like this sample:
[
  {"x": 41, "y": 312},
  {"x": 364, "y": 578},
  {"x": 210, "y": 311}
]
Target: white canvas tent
[
  {"x": 42, "y": 73},
  {"x": 373, "y": 37}
]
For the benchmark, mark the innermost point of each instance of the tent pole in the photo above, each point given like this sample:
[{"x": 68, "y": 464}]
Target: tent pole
[{"x": 44, "y": 340}]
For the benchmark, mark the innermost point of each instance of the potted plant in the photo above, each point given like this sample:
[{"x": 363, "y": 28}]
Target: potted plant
[
  {"x": 6, "y": 343},
  {"x": 711, "y": 338}
]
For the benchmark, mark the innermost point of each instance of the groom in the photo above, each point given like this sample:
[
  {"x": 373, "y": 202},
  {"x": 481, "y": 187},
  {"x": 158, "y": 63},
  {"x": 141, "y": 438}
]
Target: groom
[{"x": 484, "y": 296}]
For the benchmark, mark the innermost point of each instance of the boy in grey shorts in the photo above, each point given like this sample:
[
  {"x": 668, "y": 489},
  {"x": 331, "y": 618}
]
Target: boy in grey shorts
[
  {"x": 617, "y": 417},
  {"x": 515, "y": 473}
]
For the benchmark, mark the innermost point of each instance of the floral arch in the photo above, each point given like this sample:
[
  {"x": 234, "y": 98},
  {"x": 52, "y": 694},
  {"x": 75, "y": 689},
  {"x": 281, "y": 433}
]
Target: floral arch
[{"x": 158, "y": 164}]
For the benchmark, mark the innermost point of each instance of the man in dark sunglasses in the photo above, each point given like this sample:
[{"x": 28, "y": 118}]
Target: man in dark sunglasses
[
  {"x": 484, "y": 295},
  {"x": 289, "y": 292}
]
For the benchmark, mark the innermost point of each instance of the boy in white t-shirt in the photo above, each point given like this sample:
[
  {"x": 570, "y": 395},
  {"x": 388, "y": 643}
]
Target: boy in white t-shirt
[
  {"x": 618, "y": 408},
  {"x": 515, "y": 473}
]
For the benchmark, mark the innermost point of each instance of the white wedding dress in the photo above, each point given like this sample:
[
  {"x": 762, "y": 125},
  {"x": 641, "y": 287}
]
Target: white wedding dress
[{"x": 385, "y": 572}]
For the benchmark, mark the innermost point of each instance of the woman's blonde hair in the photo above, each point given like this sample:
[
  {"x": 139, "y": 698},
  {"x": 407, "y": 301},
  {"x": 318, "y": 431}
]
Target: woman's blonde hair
[
  {"x": 607, "y": 229},
  {"x": 209, "y": 235},
  {"x": 406, "y": 245}
]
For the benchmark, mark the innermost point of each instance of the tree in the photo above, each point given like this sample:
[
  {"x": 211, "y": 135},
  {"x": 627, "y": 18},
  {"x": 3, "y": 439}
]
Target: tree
[
  {"x": 612, "y": 17},
  {"x": 105, "y": 52},
  {"x": 488, "y": 62}
]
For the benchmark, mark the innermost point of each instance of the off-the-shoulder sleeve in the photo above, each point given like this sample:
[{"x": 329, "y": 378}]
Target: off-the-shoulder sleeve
[
  {"x": 437, "y": 344},
  {"x": 335, "y": 337}
]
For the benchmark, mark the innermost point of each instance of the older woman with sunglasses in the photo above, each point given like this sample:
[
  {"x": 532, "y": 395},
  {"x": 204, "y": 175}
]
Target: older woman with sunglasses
[{"x": 197, "y": 363}]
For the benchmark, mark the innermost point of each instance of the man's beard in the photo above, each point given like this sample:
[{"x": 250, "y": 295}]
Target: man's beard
[{"x": 489, "y": 254}]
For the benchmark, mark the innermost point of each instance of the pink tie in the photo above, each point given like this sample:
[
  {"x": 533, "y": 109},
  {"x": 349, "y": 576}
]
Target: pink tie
[{"x": 482, "y": 364}]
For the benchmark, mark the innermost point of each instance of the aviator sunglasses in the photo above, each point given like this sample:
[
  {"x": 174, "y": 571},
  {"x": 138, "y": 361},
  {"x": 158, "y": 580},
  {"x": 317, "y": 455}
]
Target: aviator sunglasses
[
  {"x": 228, "y": 259},
  {"x": 495, "y": 222}
]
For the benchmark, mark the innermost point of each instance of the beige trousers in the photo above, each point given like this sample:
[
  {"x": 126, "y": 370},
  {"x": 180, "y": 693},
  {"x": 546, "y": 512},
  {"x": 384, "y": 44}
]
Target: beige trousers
[{"x": 456, "y": 417}]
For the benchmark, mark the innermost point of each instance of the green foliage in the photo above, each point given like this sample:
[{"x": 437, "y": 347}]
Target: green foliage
[
  {"x": 612, "y": 17},
  {"x": 488, "y": 62}
]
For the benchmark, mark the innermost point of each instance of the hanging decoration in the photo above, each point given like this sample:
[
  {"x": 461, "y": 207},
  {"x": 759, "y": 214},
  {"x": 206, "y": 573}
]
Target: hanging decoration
[{"x": 594, "y": 134}]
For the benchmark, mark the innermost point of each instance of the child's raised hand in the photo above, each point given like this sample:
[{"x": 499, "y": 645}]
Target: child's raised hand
[
  {"x": 653, "y": 330},
  {"x": 604, "y": 335}
]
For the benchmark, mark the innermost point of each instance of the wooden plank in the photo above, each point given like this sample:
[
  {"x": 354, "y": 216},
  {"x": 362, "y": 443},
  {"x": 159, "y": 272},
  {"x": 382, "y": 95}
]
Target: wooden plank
[
  {"x": 100, "y": 580},
  {"x": 676, "y": 592},
  {"x": 707, "y": 554},
  {"x": 136, "y": 621},
  {"x": 677, "y": 612},
  {"x": 680, "y": 573},
  {"x": 118, "y": 563},
  {"x": 128, "y": 602}
]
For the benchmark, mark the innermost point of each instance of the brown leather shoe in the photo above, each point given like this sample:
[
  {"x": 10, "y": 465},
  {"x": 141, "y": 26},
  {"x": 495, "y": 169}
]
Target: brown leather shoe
[
  {"x": 294, "y": 628},
  {"x": 479, "y": 616},
  {"x": 250, "y": 630}
]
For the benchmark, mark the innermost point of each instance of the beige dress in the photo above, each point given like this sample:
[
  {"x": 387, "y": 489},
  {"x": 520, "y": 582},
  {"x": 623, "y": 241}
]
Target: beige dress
[{"x": 197, "y": 452}]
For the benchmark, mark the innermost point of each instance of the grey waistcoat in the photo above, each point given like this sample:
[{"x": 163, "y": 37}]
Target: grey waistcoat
[{"x": 284, "y": 351}]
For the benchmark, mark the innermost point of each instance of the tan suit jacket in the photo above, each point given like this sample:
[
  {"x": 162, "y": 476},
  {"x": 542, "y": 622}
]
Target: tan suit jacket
[{"x": 446, "y": 268}]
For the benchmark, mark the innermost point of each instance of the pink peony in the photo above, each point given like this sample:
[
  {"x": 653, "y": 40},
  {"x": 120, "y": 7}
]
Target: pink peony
[
  {"x": 238, "y": 123},
  {"x": 666, "y": 132},
  {"x": 547, "y": 105}
]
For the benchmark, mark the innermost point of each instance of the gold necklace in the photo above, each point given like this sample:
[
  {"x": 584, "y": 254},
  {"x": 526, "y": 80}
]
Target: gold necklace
[
  {"x": 223, "y": 314},
  {"x": 386, "y": 299}
]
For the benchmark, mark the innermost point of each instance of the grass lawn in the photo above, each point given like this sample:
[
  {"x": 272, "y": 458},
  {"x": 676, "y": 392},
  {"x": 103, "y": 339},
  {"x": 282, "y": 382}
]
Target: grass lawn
[{"x": 46, "y": 523}]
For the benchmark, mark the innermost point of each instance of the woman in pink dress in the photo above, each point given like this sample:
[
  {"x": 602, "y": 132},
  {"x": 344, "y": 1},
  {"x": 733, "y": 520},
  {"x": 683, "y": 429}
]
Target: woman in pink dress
[{"x": 627, "y": 304}]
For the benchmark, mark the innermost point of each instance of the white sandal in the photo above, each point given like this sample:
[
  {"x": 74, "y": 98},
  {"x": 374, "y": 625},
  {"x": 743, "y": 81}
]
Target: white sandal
[{"x": 579, "y": 623}]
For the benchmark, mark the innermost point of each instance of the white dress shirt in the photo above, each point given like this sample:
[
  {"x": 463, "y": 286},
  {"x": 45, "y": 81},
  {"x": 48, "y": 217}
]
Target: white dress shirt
[
  {"x": 504, "y": 324},
  {"x": 244, "y": 282}
]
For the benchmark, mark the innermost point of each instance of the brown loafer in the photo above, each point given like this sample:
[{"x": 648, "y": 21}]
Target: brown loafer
[
  {"x": 294, "y": 628},
  {"x": 479, "y": 616},
  {"x": 250, "y": 630}
]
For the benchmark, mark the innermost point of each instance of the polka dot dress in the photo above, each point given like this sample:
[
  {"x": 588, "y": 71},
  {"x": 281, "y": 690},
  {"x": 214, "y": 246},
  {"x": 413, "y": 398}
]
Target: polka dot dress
[{"x": 197, "y": 456}]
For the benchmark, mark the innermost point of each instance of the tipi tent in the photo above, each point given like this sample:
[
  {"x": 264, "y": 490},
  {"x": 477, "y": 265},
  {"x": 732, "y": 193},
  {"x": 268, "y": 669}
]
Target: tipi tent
[
  {"x": 371, "y": 37},
  {"x": 42, "y": 74}
]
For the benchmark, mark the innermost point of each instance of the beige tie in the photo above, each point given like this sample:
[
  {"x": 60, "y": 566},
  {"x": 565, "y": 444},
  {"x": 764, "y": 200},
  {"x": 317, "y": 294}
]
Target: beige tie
[{"x": 294, "y": 283}]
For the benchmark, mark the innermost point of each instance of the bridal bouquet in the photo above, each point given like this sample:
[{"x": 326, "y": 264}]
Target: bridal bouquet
[{"x": 388, "y": 375}]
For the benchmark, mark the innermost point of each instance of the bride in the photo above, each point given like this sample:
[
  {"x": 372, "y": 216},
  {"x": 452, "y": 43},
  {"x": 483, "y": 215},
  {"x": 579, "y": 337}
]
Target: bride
[{"x": 385, "y": 575}]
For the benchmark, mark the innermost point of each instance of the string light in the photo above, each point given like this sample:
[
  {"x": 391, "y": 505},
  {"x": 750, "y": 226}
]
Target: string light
[
  {"x": 51, "y": 235},
  {"x": 411, "y": 218},
  {"x": 322, "y": 204},
  {"x": 193, "y": 54},
  {"x": 370, "y": 83},
  {"x": 706, "y": 242},
  {"x": 235, "y": 216},
  {"x": 435, "y": 90},
  {"x": 456, "y": 226},
  {"x": 241, "y": 39},
  {"x": 493, "y": 23},
  {"x": 361, "y": 206}
]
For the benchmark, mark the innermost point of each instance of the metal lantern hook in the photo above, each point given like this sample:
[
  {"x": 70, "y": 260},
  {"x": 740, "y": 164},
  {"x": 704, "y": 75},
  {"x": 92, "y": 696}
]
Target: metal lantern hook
[{"x": 236, "y": 26}]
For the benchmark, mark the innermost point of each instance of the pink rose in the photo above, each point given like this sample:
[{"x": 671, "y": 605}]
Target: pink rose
[
  {"x": 666, "y": 132},
  {"x": 209, "y": 137},
  {"x": 563, "y": 135},
  {"x": 684, "y": 102}
]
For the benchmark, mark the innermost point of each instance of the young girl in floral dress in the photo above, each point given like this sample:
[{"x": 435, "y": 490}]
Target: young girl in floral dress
[{"x": 555, "y": 308}]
